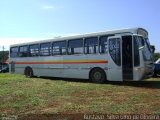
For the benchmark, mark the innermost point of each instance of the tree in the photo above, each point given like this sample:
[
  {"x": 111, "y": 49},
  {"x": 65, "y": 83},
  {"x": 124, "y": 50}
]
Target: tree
[
  {"x": 156, "y": 56},
  {"x": 3, "y": 56}
]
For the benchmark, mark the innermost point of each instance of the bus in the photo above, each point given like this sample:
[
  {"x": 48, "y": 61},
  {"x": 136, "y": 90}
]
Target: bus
[{"x": 116, "y": 55}]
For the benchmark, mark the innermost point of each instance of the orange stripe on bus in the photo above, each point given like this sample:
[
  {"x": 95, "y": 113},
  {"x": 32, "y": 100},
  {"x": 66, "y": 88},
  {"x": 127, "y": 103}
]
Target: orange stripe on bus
[{"x": 84, "y": 62}]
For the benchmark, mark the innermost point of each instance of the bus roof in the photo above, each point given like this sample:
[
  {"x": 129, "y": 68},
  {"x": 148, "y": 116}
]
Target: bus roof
[{"x": 139, "y": 31}]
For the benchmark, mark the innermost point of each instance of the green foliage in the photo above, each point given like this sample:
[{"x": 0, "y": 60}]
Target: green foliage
[
  {"x": 156, "y": 56},
  {"x": 4, "y": 56}
]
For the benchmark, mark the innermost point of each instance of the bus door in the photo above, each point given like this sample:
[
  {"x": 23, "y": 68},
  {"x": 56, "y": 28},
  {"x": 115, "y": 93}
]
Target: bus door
[
  {"x": 115, "y": 59},
  {"x": 127, "y": 57}
]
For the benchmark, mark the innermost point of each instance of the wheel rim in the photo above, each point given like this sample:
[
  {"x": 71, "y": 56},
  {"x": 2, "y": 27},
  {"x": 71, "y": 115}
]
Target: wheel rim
[{"x": 97, "y": 76}]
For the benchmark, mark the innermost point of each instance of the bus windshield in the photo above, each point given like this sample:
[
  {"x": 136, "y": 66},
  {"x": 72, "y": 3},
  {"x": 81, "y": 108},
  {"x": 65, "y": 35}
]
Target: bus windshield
[{"x": 144, "y": 43}]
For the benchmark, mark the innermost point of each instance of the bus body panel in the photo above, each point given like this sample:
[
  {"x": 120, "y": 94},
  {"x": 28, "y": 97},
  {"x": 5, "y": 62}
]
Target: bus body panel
[{"x": 72, "y": 66}]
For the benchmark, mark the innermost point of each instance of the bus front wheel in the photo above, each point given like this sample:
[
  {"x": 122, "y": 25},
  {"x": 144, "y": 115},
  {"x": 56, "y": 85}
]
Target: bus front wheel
[
  {"x": 97, "y": 75},
  {"x": 28, "y": 72}
]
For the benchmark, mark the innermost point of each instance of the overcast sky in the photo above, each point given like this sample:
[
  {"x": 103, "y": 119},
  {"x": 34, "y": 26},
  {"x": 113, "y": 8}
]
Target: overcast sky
[{"x": 30, "y": 20}]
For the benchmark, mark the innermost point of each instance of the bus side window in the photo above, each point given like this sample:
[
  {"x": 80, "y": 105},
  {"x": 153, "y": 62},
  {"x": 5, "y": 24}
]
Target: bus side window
[
  {"x": 14, "y": 52},
  {"x": 95, "y": 48},
  {"x": 91, "y": 45},
  {"x": 103, "y": 44},
  {"x": 45, "y": 49},
  {"x": 23, "y": 51},
  {"x": 59, "y": 48},
  {"x": 34, "y": 50},
  {"x": 60, "y": 51},
  {"x": 87, "y": 47},
  {"x": 72, "y": 50},
  {"x": 75, "y": 46}
]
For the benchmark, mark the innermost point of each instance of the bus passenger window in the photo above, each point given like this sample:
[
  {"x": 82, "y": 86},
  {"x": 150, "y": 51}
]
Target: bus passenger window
[
  {"x": 103, "y": 44},
  {"x": 45, "y": 49},
  {"x": 59, "y": 48},
  {"x": 34, "y": 50},
  {"x": 91, "y": 45},
  {"x": 75, "y": 46},
  {"x": 14, "y": 52},
  {"x": 23, "y": 51}
]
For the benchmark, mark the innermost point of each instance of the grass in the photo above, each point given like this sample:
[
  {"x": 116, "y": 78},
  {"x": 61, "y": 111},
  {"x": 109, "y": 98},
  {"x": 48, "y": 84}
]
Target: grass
[{"x": 20, "y": 95}]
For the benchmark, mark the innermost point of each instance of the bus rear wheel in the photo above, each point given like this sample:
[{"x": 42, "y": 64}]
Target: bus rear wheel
[
  {"x": 28, "y": 72},
  {"x": 97, "y": 75}
]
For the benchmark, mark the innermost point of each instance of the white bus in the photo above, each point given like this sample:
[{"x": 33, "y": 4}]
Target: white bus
[{"x": 117, "y": 55}]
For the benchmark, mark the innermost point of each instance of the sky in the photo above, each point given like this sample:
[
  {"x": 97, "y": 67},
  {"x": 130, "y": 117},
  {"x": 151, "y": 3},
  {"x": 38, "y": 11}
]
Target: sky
[{"x": 30, "y": 20}]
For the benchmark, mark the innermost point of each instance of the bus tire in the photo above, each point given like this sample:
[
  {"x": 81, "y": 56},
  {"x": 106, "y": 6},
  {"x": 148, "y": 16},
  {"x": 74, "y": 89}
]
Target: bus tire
[
  {"x": 97, "y": 75},
  {"x": 28, "y": 72}
]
